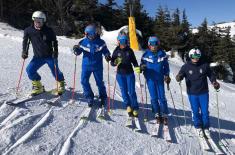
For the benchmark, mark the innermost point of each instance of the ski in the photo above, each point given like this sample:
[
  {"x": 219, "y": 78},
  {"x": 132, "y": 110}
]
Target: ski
[
  {"x": 101, "y": 114},
  {"x": 214, "y": 146},
  {"x": 129, "y": 122},
  {"x": 137, "y": 124},
  {"x": 155, "y": 132},
  {"x": 166, "y": 133},
  {"x": 85, "y": 114},
  {"x": 202, "y": 140},
  {"x": 226, "y": 147}
]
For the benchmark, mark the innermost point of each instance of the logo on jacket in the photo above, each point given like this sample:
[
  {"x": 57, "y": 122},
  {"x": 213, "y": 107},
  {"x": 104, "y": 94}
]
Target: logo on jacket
[
  {"x": 88, "y": 45},
  {"x": 190, "y": 72},
  {"x": 200, "y": 70},
  {"x": 44, "y": 37}
]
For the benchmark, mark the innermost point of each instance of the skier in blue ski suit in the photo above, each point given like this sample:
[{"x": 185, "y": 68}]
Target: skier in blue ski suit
[
  {"x": 195, "y": 73},
  {"x": 92, "y": 48},
  {"x": 45, "y": 49},
  {"x": 155, "y": 67},
  {"x": 123, "y": 57}
]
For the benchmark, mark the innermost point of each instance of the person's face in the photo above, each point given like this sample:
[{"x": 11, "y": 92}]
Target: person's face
[
  {"x": 122, "y": 43},
  {"x": 38, "y": 23},
  {"x": 194, "y": 60},
  {"x": 153, "y": 48}
]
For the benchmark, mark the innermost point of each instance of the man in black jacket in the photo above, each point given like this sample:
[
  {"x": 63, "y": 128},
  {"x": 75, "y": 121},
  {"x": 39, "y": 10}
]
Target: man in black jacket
[
  {"x": 195, "y": 73},
  {"x": 45, "y": 49}
]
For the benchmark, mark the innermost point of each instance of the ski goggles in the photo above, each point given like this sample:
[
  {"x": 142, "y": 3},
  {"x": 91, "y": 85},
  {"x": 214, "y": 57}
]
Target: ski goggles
[
  {"x": 90, "y": 31},
  {"x": 122, "y": 41},
  {"x": 196, "y": 56},
  {"x": 38, "y": 20},
  {"x": 153, "y": 43}
]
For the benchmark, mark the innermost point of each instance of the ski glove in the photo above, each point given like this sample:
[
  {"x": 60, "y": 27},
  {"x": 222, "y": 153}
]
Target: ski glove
[
  {"x": 137, "y": 70},
  {"x": 76, "y": 49},
  {"x": 118, "y": 61},
  {"x": 143, "y": 67},
  {"x": 167, "y": 79},
  {"x": 108, "y": 58},
  {"x": 216, "y": 85},
  {"x": 24, "y": 55},
  {"x": 55, "y": 55},
  {"x": 179, "y": 77}
]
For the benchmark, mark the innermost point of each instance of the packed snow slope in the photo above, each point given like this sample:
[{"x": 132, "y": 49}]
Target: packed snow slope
[{"x": 38, "y": 128}]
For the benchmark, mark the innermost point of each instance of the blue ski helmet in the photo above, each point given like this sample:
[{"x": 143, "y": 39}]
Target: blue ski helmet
[
  {"x": 122, "y": 38},
  {"x": 90, "y": 31},
  {"x": 153, "y": 41}
]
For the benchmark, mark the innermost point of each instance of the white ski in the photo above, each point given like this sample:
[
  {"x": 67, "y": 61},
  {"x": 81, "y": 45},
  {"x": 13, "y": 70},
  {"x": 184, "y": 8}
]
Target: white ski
[
  {"x": 214, "y": 146},
  {"x": 137, "y": 124},
  {"x": 166, "y": 133},
  {"x": 226, "y": 147},
  {"x": 101, "y": 113},
  {"x": 85, "y": 114},
  {"x": 203, "y": 142},
  {"x": 19, "y": 100},
  {"x": 155, "y": 131},
  {"x": 129, "y": 122}
]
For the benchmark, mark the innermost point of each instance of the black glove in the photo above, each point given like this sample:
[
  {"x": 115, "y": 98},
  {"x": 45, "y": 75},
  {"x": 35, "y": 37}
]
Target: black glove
[
  {"x": 216, "y": 85},
  {"x": 167, "y": 79},
  {"x": 76, "y": 49},
  {"x": 143, "y": 67},
  {"x": 24, "y": 55},
  {"x": 108, "y": 58},
  {"x": 179, "y": 77},
  {"x": 55, "y": 55}
]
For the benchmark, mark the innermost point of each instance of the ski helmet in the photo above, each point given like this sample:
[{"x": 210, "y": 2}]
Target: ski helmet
[
  {"x": 39, "y": 15},
  {"x": 194, "y": 53},
  {"x": 153, "y": 41},
  {"x": 122, "y": 39},
  {"x": 90, "y": 31}
]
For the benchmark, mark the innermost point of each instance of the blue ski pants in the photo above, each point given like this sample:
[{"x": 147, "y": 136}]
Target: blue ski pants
[
  {"x": 158, "y": 98},
  {"x": 126, "y": 84},
  {"x": 199, "y": 106},
  {"x": 98, "y": 75},
  {"x": 37, "y": 63}
]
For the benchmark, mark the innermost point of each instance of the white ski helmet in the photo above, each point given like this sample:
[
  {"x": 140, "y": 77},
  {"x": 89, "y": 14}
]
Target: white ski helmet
[
  {"x": 39, "y": 14},
  {"x": 194, "y": 53}
]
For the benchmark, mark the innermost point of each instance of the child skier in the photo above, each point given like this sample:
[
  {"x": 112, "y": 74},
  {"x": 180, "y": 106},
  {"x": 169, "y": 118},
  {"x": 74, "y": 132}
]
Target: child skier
[
  {"x": 195, "y": 73},
  {"x": 123, "y": 57},
  {"x": 45, "y": 49},
  {"x": 155, "y": 67},
  {"x": 92, "y": 48}
]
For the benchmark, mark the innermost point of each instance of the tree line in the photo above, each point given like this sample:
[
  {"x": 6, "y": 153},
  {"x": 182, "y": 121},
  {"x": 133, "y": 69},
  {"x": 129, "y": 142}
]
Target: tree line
[{"x": 69, "y": 17}]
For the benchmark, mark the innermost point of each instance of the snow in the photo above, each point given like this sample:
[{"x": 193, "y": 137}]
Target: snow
[{"x": 38, "y": 128}]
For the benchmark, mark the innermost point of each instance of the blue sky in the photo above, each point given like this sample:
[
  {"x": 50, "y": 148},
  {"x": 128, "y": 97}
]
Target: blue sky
[{"x": 196, "y": 10}]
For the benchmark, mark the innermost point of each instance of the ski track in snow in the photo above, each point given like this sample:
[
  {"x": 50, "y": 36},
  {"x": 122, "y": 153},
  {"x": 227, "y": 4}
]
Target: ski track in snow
[{"x": 37, "y": 128}]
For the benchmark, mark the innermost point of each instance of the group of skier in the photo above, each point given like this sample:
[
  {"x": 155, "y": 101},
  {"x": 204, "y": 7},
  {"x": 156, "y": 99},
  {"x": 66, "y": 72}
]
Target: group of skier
[{"x": 154, "y": 66}]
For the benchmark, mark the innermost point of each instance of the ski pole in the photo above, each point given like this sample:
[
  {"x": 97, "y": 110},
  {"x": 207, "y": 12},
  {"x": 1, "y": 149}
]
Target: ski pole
[
  {"x": 181, "y": 92},
  {"x": 114, "y": 89},
  {"x": 217, "y": 104},
  {"x": 168, "y": 88},
  {"x": 21, "y": 72},
  {"x": 146, "y": 101},
  {"x": 56, "y": 76},
  {"x": 74, "y": 78},
  {"x": 141, "y": 93},
  {"x": 108, "y": 90}
]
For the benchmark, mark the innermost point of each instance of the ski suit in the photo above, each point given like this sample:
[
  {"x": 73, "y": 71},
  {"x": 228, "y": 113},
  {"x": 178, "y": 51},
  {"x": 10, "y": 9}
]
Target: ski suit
[
  {"x": 92, "y": 62},
  {"x": 45, "y": 45},
  {"x": 156, "y": 68},
  {"x": 197, "y": 88},
  {"x": 125, "y": 75}
]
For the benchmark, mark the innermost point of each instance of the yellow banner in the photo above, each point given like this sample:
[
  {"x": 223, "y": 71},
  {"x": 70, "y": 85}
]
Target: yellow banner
[{"x": 132, "y": 34}]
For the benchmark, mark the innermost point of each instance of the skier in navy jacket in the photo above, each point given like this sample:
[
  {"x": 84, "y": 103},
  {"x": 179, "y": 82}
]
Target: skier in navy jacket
[
  {"x": 45, "y": 49},
  {"x": 92, "y": 48},
  {"x": 195, "y": 73},
  {"x": 155, "y": 67},
  {"x": 123, "y": 57}
]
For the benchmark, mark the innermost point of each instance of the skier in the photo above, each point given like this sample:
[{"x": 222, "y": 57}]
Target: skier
[
  {"x": 45, "y": 49},
  {"x": 155, "y": 67},
  {"x": 195, "y": 73},
  {"x": 123, "y": 57},
  {"x": 92, "y": 48}
]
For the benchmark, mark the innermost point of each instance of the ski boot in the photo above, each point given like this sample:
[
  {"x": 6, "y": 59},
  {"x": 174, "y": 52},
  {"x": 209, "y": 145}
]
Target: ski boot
[
  {"x": 165, "y": 119},
  {"x": 90, "y": 102},
  {"x": 158, "y": 118},
  {"x": 199, "y": 132},
  {"x": 37, "y": 88},
  {"x": 61, "y": 88},
  {"x": 135, "y": 113},
  {"x": 207, "y": 133},
  {"x": 129, "y": 111},
  {"x": 102, "y": 102}
]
